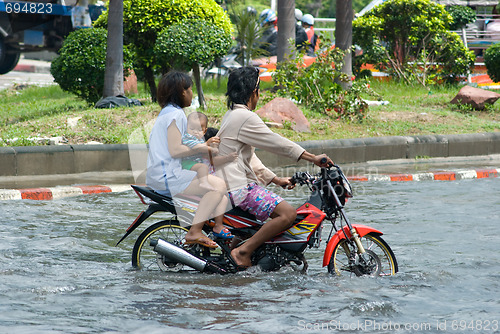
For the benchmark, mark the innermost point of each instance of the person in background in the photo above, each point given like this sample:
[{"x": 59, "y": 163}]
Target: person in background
[
  {"x": 300, "y": 33},
  {"x": 308, "y": 24},
  {"x": 269, "y": 39}
]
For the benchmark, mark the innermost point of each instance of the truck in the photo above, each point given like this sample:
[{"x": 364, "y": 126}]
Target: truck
[{"x": 39, "y": 25}]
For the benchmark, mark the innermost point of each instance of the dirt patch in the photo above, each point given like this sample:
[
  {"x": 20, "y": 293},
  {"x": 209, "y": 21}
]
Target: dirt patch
[{"x": 405, "y": 116}]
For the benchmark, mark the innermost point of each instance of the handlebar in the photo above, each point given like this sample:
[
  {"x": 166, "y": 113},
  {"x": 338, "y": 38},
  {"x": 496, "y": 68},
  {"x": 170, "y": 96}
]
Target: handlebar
[
  {"x": 304, "y": 177},
  {"x": 323, "y": 161}
]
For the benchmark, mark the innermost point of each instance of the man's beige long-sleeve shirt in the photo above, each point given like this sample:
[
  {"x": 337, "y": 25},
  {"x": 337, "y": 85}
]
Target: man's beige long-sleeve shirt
[{"x": 242, "y": 131}]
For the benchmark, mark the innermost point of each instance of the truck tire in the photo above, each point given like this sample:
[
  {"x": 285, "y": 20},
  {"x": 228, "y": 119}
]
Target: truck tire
[
  {"x": 2, "y": 50},
  {"x": 9, "y": 57}
]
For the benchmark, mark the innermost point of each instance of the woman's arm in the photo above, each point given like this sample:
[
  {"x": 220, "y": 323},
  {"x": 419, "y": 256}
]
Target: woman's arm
[
  {"x": 219, "y": 160},
  {"x": 175, "y": 146}
]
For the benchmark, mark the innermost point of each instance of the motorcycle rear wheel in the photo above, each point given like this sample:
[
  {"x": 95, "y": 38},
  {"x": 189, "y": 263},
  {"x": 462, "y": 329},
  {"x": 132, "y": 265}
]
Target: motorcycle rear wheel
[
  {"x": 143, "y": 255},
  {"x": 384, "y": 262}
]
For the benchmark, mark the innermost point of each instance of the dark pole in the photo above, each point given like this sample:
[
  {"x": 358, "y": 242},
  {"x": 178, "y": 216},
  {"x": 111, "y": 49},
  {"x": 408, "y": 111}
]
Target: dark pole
[
  {"x": 286, "y": 29},
  {"x": 343, "y": 36},
  {"x": 113, "y": 77}
]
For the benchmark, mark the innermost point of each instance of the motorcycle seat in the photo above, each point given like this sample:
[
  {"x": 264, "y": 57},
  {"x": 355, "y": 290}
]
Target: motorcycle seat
[
  {"x": 167, "y": 200},
  {"x": 237, "y": 211}
]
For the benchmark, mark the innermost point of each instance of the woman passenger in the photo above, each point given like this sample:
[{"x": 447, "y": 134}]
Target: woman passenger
[{"x": 165, "y": 173}]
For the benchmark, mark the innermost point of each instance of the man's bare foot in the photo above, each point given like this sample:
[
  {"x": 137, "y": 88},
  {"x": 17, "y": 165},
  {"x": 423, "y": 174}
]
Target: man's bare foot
[{"x": 241, "y": 260}]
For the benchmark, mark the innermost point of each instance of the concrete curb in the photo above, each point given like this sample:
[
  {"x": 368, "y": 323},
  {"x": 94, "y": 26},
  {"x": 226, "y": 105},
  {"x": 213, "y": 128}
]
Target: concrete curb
[
  {"x": 432, "y": 176},
  {"x": 51, "y": 193}
]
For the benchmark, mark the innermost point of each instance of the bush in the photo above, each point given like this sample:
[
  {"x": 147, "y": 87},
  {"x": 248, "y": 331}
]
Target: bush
[
  {"x": 317, "y": 86},
  {"x": 191, "y": 42},
  {"x": 410, "y": 39},
  {"x": 81, "y": 64},
  {"x": 462, "y": 15},
  {"x": 188, "y": 45},
  {"x": 492, "y": 61}
]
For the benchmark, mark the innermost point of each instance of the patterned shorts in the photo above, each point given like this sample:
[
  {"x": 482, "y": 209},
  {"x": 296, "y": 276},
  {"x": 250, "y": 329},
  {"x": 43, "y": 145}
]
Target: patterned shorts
[{"x": 257, "y": 200}]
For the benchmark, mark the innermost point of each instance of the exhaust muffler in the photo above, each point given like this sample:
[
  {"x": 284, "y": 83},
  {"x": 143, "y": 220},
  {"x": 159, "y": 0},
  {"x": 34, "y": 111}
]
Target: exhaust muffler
[{"x": 180, "y": 255}]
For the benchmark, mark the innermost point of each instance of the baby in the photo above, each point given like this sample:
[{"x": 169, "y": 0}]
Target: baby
[{"x": 197, "y": 124}]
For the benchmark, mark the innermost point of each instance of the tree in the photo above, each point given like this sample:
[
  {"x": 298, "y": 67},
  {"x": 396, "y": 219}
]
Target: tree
[
  {"x": 286, "y": 29},
  {"x": 410, "y": 39},
  {"x": 343, "y": 36},
  {"x": 143, "y": 20},
  {"x": 113, "y": 76},
  {"x": 248, "y": 33},
  {"x": 188, "y": 45}
]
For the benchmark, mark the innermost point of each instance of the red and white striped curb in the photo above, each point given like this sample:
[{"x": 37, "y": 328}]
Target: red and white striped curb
[
  {"x": 67, "y": 191},
  {"x": 59, "y": 192},
  {"x": 431, "y": 176}
]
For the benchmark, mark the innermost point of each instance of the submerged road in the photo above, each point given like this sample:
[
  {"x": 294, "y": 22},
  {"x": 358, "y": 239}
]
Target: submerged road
[{"x": 61, "y": 272}]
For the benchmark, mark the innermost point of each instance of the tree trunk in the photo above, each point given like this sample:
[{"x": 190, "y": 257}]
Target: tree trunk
[
  {"x": 343, "y": 36},
  {"x": 150, "y": 79},
  {"x": 286, "y": 29},
  {"x": 113, "y": 77},
  {"x": 199, "y": 88}
]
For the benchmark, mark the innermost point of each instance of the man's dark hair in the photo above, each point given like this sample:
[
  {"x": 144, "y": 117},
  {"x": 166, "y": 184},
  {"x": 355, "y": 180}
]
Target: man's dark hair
[
  {"x": 171, "y": 87},
  {"x": 242, "y": 82},
  {"x": 211, "y": 132}
]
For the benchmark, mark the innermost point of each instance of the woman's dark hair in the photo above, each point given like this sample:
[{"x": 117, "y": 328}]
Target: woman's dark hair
[
  {"x": 241, "y": 84},
  {"x": 171, "y": 86}
]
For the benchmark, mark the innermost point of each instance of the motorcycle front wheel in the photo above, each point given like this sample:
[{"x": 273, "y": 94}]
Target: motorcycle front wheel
[
  {"x": 379, "y": 259},
  {"x": 143, "y": 255}
]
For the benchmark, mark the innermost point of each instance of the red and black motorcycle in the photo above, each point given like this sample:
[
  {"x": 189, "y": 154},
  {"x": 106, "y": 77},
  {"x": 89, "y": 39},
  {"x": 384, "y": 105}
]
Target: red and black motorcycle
[{"x": 351, "y": 248}]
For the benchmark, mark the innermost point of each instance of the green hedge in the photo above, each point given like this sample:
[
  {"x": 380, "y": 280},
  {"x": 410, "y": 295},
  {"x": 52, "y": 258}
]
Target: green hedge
[
  {"x": 492, "y": 61},
  {"x": 81, "y": 64}
]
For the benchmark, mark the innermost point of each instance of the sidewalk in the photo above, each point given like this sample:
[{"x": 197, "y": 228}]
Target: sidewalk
[{"x": 32, "y": 66}]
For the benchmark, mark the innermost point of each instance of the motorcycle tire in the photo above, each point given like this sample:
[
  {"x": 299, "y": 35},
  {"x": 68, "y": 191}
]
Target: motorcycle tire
[
  {"x": 143, "y": 255},
  {"x": 380, "y": 260}
]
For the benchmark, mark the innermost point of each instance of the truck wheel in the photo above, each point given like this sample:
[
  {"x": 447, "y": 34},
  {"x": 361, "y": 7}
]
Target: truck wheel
[
  {"x": 9, "y": 61},
  {"x": 9, "y": 57}
]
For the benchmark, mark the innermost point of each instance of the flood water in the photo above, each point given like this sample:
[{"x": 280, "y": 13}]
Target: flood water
[{"x": 60, "y": 271}]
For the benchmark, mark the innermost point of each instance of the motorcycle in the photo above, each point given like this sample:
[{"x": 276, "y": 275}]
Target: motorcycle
[{"x": 351, "y": 249}]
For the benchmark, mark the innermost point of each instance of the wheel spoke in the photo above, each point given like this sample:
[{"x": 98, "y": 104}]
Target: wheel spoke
[
  {"x": 379, "y": 258},
  {"x": 143, "y": 255}
]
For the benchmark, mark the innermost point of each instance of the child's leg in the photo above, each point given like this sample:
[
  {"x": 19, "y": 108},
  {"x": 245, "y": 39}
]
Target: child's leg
[
  {"x": 202, "y": 172},
  {"x": 219, "y": 215}
]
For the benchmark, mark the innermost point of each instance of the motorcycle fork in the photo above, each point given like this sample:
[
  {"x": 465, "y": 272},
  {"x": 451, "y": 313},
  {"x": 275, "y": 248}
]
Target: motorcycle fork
[{"x": 354, "y": 233}]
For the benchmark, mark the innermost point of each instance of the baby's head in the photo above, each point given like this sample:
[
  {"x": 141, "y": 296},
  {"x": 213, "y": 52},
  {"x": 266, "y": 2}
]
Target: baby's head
[{"x": 197, "y": 124}]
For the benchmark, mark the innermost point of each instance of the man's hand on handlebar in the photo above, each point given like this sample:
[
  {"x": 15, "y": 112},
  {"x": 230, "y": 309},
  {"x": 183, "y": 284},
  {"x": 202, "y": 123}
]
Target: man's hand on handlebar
[{"x": 323, "y": 160}]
